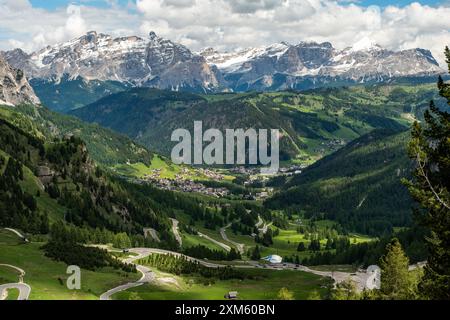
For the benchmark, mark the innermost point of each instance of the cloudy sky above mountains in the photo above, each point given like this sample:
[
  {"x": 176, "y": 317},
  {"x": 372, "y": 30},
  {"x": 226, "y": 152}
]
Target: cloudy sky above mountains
[{"x": 231, "y": 24}]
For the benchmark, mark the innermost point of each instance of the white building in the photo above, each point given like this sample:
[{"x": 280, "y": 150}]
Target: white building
[{"x": 273, "y": 258}]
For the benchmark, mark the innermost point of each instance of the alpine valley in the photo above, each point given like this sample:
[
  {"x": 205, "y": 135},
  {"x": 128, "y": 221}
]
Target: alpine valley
[{"x": 86, "y": 179}]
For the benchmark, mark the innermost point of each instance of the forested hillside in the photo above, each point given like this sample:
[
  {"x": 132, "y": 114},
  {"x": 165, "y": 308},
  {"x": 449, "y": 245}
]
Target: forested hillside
[
  {"x": 313, "y": 123},
  {"x": 58, "y": 178},
  {"x": 359, "y": 186},
  {"x": 105, "y": 146},
  {"x": 67, "y": 94},
  {"x": 46, "y": 180}
]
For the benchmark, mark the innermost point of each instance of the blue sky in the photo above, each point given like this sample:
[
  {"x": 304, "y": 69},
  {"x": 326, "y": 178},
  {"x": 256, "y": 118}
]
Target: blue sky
[
  {"x": 383, "y": 3},
  {"x": 53, "y": 4}
]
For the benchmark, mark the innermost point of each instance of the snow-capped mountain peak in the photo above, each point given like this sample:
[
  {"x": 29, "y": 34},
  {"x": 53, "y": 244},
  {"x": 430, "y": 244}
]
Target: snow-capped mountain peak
[
  {"x": 311, "y": 63},
  {"x": 153, "y": 61},
  {"x": 231, "y": 61},
  {"x": 365, "y": 44},
  {"x": 159, "y": 62}
]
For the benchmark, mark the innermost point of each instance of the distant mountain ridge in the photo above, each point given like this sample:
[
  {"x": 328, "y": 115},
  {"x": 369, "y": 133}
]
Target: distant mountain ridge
[
  {"x": 309, "y": 64},
  {"x": 153, "y": 62},
  {"x": 163, "y": 64}
]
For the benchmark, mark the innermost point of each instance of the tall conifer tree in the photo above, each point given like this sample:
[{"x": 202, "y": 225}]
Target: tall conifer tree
[{"x": 430, "y": 149}]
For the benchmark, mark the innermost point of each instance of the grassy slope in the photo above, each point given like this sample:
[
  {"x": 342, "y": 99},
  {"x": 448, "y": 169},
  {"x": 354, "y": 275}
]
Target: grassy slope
[
  {"x": 42, "y": 273},
  {"x": 286, "y": 243},
  {"x": 264, "y": 287}
]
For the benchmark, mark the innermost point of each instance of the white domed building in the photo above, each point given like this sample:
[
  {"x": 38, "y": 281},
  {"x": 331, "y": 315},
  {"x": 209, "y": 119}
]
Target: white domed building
[{"x": 273, "y": 258}]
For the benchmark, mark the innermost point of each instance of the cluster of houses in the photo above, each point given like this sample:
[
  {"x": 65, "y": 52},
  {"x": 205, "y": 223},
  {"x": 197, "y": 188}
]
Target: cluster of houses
[
  {"x": 332, "y": 145},
  {"x": 290, "y": 171},
  {"x": 210, "y": 174},
  {"x": 186, "y": 186}
]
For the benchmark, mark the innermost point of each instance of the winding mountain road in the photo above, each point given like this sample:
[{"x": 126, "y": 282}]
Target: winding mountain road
[
  {"x": 147, "y": 277},
  {"x": 152, "y": 233},
  {"x": 24, "y": 289},
  {"x": 260, "y": 221},
  {"x": 239, "y": 246},
  {"x": 176, "y": 231},
  {"x": 360, "y": 277},
  {"x": 16, "y": 232},
  {"x": 265, "y": 227},
  {"x": 220, "y": 244}
]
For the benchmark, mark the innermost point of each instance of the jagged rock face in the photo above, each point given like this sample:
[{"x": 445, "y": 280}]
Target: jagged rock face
[
  {"x": 154, "y": 61},
  {"x": 283, "y": 66},
  {"x": 14, "y": 87},
  {"x": 161, "y": 63}
]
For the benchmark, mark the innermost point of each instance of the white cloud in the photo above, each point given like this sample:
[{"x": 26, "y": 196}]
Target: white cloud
[
  {"x": 230, "y": 24},
  {"x": 17, "y": 5},
  {"x": 75, "y": 23},
  {"x": 179, "y": 3},
  {"x": 251, "y": 6}
]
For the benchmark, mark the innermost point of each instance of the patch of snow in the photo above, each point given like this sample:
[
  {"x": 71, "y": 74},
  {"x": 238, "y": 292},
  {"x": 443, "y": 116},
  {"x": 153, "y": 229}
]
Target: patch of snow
[{"x": 365, "y": 44}]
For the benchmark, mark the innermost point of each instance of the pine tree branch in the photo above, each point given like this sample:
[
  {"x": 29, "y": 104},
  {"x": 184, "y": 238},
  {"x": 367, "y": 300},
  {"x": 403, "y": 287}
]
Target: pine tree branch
[{"x": 424, "y": 175}]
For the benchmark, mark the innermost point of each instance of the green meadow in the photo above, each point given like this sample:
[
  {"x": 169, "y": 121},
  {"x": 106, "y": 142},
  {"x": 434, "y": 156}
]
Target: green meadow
[
  {"x": 47, "y": 277},
  {"x": 265, "y": 285}
]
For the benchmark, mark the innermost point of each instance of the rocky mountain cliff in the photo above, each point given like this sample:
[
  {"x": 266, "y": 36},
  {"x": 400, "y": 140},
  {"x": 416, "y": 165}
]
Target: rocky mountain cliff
[
  {"x": 154, "y": 62},
  {"x": 311, "y": 64},
  {"x": 161, "y": 63},
  {"x": 14, "y": 87}
]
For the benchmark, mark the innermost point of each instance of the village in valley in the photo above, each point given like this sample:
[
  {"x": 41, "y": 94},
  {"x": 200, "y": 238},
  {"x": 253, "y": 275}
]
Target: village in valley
[{"x": 194, "y": 180}]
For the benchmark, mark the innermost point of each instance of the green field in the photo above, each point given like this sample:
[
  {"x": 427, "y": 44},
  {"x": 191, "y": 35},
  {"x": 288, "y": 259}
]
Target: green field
[
  {"x": 190, "y": 240},
  {"x": 164, "y": 168},
  {"x": 13, "y": 294},
  {"x": 47, "y": 277},
  {"x": 286, "y": 243},
  {"x": 139, "y": 170},
  {"x": 264, "y": 286}
]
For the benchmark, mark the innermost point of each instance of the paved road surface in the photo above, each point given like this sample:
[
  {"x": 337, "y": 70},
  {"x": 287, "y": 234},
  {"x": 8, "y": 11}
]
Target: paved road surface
[
  {"x": 153, "y": 234},
  {"x": 147, "y": 276},
  {"x": 176, "y": 232},
  {"x": 264, "y": 228},
  {"x": 239, "y": 246},
  {"x": 360, "y": 277},
  {"x": 260, "y": 221},
  {"x": 16, "y": 232},
  {"x": 221, "y": 244},
  {"x": 24, "y": 290}
]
